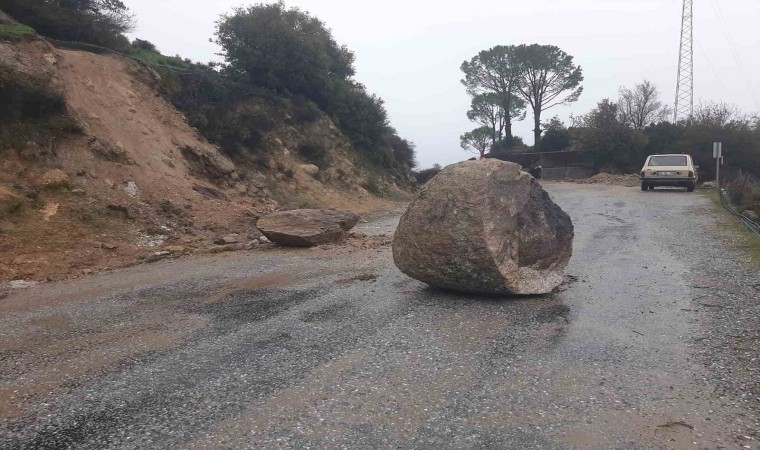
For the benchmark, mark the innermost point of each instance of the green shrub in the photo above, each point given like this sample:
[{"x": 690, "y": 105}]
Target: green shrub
[
  {"x": 156, "y": 60},
  {"x": 744, "y": 192},
  {"x": 423, "y": 176},
  {"x": 142, "y": 44},
  {"x": 31, "y": 110},
  {"x": 313, "y": 153},
  {"x": 25, "y": 96},
  {"x": 98, "y": 22}
]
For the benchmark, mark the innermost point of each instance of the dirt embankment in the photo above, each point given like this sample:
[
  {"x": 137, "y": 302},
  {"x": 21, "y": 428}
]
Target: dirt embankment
[{"x": 139, "y": 183}]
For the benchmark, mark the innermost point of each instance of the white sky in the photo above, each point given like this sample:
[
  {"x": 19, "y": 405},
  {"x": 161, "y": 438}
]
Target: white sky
[{"x": 409, "y": 51}]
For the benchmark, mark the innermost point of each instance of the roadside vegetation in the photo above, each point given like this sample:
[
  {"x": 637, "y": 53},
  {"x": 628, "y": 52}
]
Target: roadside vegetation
[
  {"x": 273, "y": 55},
  {"x": 31, "y": 111},
  {"x": 507, "y": 82},
  {"x": 504, "y": 81}
]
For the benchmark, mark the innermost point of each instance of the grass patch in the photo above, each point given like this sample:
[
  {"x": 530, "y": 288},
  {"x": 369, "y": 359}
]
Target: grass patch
[
  {"x": 745, "y": 239},
  {"x": 12, "y": 32},
  {"x": 157, "y": 60}
]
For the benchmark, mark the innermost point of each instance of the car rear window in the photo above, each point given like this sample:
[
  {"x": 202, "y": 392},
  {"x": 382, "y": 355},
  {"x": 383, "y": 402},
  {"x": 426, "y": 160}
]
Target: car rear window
[{"x": 668, "y": 161}]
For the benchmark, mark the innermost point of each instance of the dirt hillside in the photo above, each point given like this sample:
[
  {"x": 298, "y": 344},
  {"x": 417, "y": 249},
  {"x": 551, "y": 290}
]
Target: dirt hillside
[{"x": 137, "y": 182}]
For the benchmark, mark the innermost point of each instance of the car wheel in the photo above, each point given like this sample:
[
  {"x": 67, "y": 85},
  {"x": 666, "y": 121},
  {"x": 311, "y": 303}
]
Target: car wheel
[
  {"x": 651, "y": 187},
  {"x": 644, "y": 186},
  {"x": 690, "y": 187}
]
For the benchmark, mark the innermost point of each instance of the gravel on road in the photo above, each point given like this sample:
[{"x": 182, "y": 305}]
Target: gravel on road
[{"x": 650, "y": 343}]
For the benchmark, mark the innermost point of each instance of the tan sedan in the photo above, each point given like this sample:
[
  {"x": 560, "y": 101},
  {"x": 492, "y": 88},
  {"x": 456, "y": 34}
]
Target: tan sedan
[{"x": 669, "y": 170}]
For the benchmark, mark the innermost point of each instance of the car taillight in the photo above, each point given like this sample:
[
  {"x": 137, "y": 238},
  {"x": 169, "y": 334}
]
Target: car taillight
[
  {"x": 691, "y": 174},
  {"x": 643, "y": 174}
]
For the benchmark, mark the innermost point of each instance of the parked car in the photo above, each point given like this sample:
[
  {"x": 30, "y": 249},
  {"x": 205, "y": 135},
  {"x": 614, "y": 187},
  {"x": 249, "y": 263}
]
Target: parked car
[{"x": 669, "y": 170}]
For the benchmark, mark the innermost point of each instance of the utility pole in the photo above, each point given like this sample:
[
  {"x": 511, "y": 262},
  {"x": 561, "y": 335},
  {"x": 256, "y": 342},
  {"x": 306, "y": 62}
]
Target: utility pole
[{"x": 684, "y": 106}]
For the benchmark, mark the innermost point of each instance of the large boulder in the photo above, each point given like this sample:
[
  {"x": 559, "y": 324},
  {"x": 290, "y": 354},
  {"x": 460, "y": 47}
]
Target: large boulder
[
  {"x": 484, "y": 227},
  {"x": 306, "y": 227}
]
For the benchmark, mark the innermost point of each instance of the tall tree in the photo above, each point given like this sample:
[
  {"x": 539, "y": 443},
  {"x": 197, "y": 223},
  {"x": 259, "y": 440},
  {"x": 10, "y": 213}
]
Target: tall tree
[
  {"x": 548, "y": 77},
  {"x": 284, "y": 49},
  {"x": 609, "y": 141},
  {"x": 477, "y": 140},
  {"x": 485, "y": 110},
  {"x": 641, "y": 106},
  {"x": 496, "y": 71}
]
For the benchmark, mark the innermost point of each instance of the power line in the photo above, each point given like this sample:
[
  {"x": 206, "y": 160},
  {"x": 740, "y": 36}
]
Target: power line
[
  {"x": 732, "y": 45},
  {"x": 712, "y": 67}
]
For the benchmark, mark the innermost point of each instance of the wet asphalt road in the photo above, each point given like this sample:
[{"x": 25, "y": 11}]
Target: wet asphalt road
[{"x": 335, "y": 348}]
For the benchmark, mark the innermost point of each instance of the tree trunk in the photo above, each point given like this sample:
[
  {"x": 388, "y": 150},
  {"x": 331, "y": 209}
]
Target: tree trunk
[
  {"x": 537, "y": 129},
  {"x": 506, "y": 107}
]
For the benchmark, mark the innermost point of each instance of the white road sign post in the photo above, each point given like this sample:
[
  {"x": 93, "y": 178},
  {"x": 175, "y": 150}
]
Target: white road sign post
[{"x": 718, "y": 155}]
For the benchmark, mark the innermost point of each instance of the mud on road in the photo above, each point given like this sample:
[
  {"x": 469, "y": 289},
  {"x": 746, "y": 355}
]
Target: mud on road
[{"x": 650, "y": 344}]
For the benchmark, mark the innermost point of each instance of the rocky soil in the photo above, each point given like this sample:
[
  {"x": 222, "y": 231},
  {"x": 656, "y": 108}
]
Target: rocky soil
[{"x": 139, "y": 184}]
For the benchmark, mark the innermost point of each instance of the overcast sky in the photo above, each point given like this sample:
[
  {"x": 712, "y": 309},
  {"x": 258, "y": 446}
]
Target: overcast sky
[{"x": 409, "y": 51}]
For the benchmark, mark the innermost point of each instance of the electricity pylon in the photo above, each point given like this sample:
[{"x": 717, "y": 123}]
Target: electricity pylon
[{"x": 684, "y": 106}]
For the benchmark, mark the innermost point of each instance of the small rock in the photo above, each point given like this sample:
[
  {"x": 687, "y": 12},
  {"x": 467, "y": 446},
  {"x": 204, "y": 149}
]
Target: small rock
[
  {"x": 162, "y": 253},
  {"x": 130, "y": 187},
  {"x": 78, "y": 192},
  {"x": 22, "y": 284},
  {"x": 110, "y": 246},
  {"x": 226, "y": 248},
  {"x": 306, "y": 227},
  {"x": 86, "y": 271},
  {"x": 50, "y": 58},
  {"x": 175, "y": 249},
  {"x": 264, "y": 240},
  {"x": 49, "y": 211},
  {"x": 226, "y": 240},
  {"x": 309, "y": 169},
  {"x": 53, "y": 179}
]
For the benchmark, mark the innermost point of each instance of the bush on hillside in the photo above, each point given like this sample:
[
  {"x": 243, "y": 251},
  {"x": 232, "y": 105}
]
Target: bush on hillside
[
  {"x": 283, "y": 49},
  {"x": 403, "y": 151},
  {"x": 425, "y": 175},
  {"x": 314, "y": 153},
  {"x": 293, "y": 54},
  {"x": 30, "y": 109},
  {"x": 98, "y": 22},
  {"x": 142, "y": 44},
  {"x": 24, "y": 96}
]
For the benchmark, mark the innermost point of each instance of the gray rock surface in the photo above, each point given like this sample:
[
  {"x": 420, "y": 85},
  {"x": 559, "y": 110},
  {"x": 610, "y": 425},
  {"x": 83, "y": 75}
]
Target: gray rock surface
[
  {"x": 306, "y": 227},
  {"x": 484, "y": 227}
]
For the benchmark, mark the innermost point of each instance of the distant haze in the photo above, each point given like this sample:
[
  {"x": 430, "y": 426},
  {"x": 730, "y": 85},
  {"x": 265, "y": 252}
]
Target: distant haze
[{"x": 409, "y": 52}]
